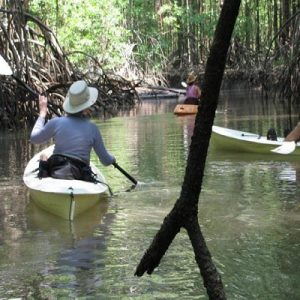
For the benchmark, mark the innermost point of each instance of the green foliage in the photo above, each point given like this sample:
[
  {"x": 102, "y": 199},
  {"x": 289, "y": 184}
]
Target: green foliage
[
  {"x": 170, "y": 14},
  {"x": 93, "y": 27},
  {"x": 148, "y": 34}
]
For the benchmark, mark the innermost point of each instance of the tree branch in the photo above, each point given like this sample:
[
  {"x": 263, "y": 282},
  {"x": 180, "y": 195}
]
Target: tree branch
[{"x": 185, "y": 211}]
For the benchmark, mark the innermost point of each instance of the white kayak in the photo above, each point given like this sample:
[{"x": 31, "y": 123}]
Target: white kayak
[
  {"x": 64, "y": 198},
  {"x": 240, "y": 141}
]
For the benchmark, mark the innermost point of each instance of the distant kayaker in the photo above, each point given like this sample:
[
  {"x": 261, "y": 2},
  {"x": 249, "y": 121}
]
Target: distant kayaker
[
  {"x": 193, "y": 91},
  {"x": 74, "y": 136}
]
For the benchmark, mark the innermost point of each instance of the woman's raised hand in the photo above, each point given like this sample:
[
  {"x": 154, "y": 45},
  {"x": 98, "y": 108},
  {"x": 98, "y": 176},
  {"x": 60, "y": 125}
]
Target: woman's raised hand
[{"x": 43, "y": 102}]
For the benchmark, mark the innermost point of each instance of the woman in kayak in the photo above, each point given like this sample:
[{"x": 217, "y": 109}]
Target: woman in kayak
[
  {"x": 193, "y": 91},
  {"x": 74, "y": 136}
]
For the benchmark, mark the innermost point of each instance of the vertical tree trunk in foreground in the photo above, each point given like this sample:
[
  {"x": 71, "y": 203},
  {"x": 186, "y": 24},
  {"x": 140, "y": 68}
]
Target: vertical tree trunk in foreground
[{"x": 185, "y": 211}]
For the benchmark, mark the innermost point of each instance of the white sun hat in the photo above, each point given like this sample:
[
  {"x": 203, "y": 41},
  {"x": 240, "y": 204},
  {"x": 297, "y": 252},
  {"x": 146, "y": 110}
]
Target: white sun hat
[{"x": 80, "y": 97}]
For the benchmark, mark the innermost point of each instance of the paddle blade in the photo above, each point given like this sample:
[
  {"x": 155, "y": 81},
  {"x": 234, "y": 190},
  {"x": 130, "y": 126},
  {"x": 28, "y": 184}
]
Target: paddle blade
[
  {"x": 285, "y": 148},
  {"x": 4, "y": 67},
  {"x": 184, "y": 84}
]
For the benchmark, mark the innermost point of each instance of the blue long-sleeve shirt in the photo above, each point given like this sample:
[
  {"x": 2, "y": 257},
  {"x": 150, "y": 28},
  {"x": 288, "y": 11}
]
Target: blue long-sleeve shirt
[{"x": 72, "y": 136}]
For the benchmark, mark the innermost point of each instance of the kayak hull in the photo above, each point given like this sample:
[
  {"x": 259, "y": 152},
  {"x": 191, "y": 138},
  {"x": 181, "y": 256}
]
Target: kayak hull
[
  {"x": 66, "y": 206},
  {"x": 64, "y": 198},
  {"x": 185, "y": 109},
  {"x": 240, "y": 141}
]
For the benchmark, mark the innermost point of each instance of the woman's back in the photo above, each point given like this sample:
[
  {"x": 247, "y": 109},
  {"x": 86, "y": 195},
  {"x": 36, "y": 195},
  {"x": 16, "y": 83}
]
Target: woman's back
[{"x": 73, "y": 136}]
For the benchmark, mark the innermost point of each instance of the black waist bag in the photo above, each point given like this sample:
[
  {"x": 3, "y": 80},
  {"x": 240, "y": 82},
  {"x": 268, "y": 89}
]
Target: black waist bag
[{"x": 62, "y": 167}]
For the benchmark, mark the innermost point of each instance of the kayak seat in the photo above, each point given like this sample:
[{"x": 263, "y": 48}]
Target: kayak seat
[
  {"x": 192, "y": 101},
  {"x": 271, "y": 134}
]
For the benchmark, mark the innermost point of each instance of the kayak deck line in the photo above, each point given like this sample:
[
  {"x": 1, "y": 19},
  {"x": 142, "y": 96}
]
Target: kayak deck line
[
  {"x": 251, "y": 134},
  {"x": 72, "y": 205}
]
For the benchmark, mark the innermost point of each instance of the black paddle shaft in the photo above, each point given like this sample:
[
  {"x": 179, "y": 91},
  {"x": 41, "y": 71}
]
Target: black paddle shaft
[
  {"x": 51, "y": 106},
  {"x": 125, "y": 173},
  {"x": 27, "y": 87}
]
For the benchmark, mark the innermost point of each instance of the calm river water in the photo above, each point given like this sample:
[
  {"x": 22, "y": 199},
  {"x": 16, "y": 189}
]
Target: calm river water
[{"x": 249, "y": 210}]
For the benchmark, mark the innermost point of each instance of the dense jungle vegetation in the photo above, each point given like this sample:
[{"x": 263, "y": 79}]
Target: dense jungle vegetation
[
  {"x": 158, "y": 36},
  {"x": 121, "y": 44}
]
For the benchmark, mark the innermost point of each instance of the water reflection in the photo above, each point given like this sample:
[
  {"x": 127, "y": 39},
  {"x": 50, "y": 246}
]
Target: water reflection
[
  {"x": 40, "y": 220},
  {"x": 77, "y": 262},
  {"x": 249, "y": 212}
]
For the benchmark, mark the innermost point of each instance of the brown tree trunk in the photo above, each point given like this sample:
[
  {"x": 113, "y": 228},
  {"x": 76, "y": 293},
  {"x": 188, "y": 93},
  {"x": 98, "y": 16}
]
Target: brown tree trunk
[
  {"x": 185, "y": 212},
  {"x": 248, "y": 29},
  {"x": 257, "y": 28},
  {"x": 275, "y": 22},
  {"x": 181, "y": 42},
  {"x": 285, "y": 16}
]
